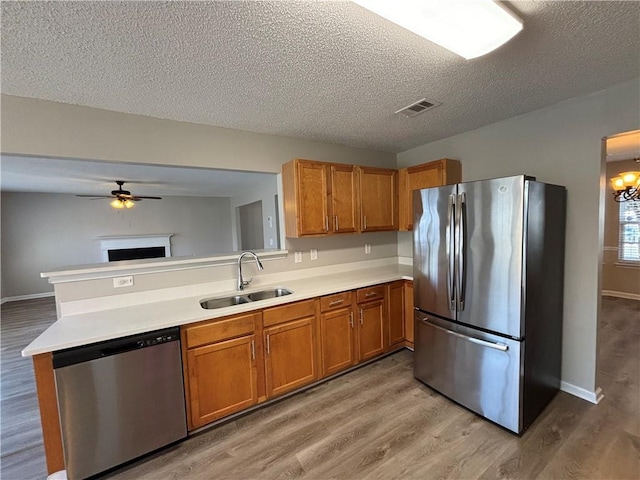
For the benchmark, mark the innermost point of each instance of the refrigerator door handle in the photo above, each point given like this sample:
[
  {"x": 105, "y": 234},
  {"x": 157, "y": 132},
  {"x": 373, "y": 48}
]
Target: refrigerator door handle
[
  {"x": 461, "y": 220},
  {"x": 495, "y": 345},
  {"x": 451, "y": 265}
]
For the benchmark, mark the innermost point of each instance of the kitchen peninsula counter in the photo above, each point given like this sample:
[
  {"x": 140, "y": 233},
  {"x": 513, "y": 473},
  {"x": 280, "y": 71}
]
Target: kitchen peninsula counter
[{"x": 104, "y": 318}]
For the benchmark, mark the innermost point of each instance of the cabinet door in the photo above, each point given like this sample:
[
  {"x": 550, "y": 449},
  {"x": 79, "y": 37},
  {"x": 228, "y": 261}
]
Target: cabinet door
[
  {"x": 337, "y": 340},
  {"x": 344, "y": 211},
  {"x": 426, "y": 175},
  {"x": 371, "y": 331},
  {"x": 222, "y": 379},
  {"x": 290, "y": 356},
  {"x": 395, "y": 302},
  {"x": 408, "y": 312},
  {"x": 378, "y": 199},
  {"x": 305, "y": 191}
]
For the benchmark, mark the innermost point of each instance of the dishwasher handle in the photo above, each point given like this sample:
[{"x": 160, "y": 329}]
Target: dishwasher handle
[{"x": 127, "y": 347}]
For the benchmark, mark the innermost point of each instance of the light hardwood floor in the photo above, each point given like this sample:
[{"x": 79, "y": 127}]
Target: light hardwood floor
[{"x": 374, "y": 423}]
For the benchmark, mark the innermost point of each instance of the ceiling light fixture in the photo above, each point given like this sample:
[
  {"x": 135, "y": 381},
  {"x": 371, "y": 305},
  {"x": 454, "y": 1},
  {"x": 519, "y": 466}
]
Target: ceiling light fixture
[
  {"x": 469, "y": 28},
  {"x": 626, "y": 186},
  {"x": 122, "y": 203}
]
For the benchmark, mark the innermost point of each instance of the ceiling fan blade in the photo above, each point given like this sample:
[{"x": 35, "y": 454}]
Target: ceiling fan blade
[
  {"x": 95, "y": 196},
  {"x": 151, "y": 198}
]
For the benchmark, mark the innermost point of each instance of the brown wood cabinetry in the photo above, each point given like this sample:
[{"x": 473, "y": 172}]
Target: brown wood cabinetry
[
  {"x": 320, "y": 198},
  {"x": 426, "y": 175},
  {"x": 378, "y": 189},
  {"x": 290, "y": 347},
  {"x": 221, "y": 373},
  {"x": 396, "y": 313},
  {"x": 408, "y": 311},
  {"x": 371, "y": 322},
  {"x": 344, "y": 198},
  {"x": 337, "y": 334}
]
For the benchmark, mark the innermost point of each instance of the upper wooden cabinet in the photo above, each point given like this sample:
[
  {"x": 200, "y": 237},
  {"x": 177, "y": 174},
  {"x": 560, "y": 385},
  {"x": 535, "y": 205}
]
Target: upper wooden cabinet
[
  {"x": 426, "y": 175},
  {"x": 378, "y": 189},
  {"x": 343, "y": 193},
  {"x": 320, "y": 198}
]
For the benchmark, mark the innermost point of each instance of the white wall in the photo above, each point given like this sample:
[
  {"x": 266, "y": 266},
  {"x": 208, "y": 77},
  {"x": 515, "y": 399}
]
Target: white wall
[
  {"x": 560, "y": 144},
  {"x": 41, "y": 232},
  {"x": 42, "y": 128},
  {"x": 263, "y": 192}
]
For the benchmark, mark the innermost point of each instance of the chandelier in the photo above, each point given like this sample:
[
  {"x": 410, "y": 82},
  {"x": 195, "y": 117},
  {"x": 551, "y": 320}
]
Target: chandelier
[{"x": 626, "y": 186}]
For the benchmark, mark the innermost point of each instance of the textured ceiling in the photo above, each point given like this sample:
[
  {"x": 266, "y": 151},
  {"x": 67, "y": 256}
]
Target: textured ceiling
[
  {"x": 320, "y": 70},
  {"x": 53, "y": 175}
]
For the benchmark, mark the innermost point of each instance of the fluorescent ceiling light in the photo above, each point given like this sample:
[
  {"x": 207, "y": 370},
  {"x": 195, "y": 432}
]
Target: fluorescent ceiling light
[{"x": 470, "y": 28}]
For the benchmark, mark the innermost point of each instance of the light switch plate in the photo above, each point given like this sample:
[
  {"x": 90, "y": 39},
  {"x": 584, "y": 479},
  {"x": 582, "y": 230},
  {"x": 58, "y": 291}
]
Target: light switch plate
[
  {"x": 313, "y": 254},
  {"x": 298, "y": 257},
  {"x": 120, "y": 282},
  {"x": 367, "y": 248}
]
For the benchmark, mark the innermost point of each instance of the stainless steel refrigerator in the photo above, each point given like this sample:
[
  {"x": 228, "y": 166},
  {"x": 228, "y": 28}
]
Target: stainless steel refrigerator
[{"x": 488, "y": 286}]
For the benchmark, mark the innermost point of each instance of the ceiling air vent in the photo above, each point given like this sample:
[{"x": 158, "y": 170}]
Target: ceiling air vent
[{"x": 418, "y": 107}]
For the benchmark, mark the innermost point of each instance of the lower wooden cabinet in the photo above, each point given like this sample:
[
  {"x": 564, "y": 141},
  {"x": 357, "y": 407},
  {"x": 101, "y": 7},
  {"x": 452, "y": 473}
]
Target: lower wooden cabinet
[
  {"x": 371, "y": 329},
  {"x": 396, "y": 313},
  {"x": 337, "y": 333},
  {"x": 408, "y": 312},
  {"x": 233, "y": 363},
  {"x": 372, "y": 318},
  {"x": 290, "y": 354},
  {"x": 222, "y": 379}
]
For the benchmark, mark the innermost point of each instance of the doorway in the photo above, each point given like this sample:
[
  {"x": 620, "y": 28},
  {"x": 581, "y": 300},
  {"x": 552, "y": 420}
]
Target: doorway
[{"x": 251, "y": 230}]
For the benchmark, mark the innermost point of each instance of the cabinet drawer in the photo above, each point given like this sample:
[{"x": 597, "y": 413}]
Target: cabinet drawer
[
  {"x": 370, "y": 293},
  {"x": 339, "y": 300},
  {"x": 275, "y": 315},
  {"x": 216, "y": 330}
]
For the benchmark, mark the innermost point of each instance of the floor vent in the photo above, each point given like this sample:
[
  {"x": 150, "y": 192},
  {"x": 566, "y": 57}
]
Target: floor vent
[{"x": 418, "y": 107}]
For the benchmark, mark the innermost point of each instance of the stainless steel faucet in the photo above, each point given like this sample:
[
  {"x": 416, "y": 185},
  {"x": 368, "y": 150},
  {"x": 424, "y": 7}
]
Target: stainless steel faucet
[{"x": 241, "y": 282}]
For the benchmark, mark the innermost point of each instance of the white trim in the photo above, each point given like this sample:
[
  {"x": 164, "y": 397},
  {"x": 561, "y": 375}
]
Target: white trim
[
  {"x": 629, "y": 296},
  {"x": 610, "y": 249},
  {"x": 151, "y": 265},
  {"x": 126, "y": 242},
  {"x": 26, "y": 297},
  {"x": 589, "y": 396}
]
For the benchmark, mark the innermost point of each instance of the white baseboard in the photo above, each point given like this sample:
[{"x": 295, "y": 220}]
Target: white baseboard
[
  {"x": 589, "y": 396},
  {"x": 26, "y": 297},
  {"x": 629, "y": 296}
]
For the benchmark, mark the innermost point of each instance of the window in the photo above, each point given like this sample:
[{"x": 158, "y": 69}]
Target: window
[{"x": 629, "y": 242}]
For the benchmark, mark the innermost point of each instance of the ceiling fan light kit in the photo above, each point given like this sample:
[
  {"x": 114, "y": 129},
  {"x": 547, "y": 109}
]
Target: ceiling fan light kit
[
  {"x": 469, "y": 28},
  {"x": 121, "y": 198}
]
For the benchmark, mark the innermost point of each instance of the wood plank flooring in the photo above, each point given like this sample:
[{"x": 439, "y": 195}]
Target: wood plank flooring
[{"x": 377, "y": 422}]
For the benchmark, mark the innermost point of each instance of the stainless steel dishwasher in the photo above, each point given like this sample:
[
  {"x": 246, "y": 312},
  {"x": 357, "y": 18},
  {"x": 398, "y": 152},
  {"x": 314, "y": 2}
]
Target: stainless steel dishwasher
[{"x": 119, "y": 399}]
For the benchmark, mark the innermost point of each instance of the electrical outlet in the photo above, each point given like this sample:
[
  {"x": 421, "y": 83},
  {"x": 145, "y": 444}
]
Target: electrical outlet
[
  {"x": 313, "y": 254},
  {"x": 123, "y": 282},
  {"x": 298, "y": 257},
  {"x": 367, "y": 248}
]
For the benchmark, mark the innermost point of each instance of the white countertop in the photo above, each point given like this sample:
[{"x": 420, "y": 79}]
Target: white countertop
[{"x": 94, "y": 326}]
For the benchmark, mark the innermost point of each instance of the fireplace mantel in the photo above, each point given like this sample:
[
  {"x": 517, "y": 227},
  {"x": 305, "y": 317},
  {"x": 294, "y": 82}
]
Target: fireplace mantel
[{"x": 124, "y": 242}]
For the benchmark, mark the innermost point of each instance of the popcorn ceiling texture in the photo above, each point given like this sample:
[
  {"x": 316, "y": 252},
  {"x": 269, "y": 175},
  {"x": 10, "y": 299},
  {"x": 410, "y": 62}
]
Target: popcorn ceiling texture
[{"x": 325, "y": 71}]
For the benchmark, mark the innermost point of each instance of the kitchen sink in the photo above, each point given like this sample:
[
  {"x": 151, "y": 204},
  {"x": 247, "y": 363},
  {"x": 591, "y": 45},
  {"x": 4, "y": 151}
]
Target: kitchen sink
[
  {"x": 264, "y": 294},
  {"x": 222, "y": 302}
]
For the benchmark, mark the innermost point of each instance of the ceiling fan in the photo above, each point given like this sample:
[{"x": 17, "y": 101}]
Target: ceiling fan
[{"x": 121, "y": 198}]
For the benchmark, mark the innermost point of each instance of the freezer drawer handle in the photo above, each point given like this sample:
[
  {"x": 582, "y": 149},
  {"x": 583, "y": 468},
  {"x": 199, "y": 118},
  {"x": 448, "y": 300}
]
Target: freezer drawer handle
[{"x": 497, "y": 345}]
